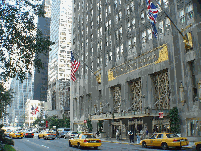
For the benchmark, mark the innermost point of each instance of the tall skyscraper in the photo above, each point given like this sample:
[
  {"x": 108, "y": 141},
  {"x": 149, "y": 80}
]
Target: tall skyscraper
[
  {"x": 21, "y": 92},
  {"x": 59, "y": 57},
  {"x": 41, "y": 78}
]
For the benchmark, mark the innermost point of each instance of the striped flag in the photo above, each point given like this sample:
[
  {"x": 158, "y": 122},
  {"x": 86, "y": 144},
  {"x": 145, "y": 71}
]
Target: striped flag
[
  {"x": 74, "y": 66},
  {"x": 152, "y": 14}
]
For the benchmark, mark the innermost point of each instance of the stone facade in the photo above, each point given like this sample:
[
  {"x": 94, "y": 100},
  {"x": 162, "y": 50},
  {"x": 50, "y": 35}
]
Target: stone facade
[{"x": 135, "y": 75}]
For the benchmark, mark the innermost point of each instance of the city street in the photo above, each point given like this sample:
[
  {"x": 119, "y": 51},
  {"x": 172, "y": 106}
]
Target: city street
[{"x": 35, "y": 144}]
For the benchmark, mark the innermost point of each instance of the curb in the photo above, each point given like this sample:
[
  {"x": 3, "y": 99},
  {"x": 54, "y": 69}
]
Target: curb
[
  {"x": 137, "y": 144},
  {"x": 120, "y": 143}
]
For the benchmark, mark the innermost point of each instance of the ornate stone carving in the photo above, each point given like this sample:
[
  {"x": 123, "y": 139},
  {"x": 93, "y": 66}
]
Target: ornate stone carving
[
  {"x": 163, "y": 55},
  {"x": 162, "y": 92},
  {"x": 110, "y": 75},
  {"x": 136, "y": 88}
]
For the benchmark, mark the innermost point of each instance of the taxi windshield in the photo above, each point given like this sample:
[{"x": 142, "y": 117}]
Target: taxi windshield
[
  {"x": 153, "y": 136},
  {"x": 171, "y": 135},
  {"x": 87, "y": 136}
]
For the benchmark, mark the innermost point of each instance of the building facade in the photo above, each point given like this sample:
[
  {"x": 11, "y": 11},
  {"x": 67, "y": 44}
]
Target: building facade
[
  {"x": 21, "y": 92},
  {"x": 33, "y": 110},
  {"x": 41, "y": 78},
  {"x": 59, "y": 57},
  {"x": 137, "y": 75}
]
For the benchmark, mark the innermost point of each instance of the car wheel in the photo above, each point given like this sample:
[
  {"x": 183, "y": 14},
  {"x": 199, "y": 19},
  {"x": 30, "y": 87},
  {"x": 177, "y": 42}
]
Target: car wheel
[
  {"x": 144, "y": 145},
  {"x": 179, "y": 147},
  {"x": 164, "y": 146},
  {"x": 70, "y": 144},
  {"x": 64, "y": 137},
  {"x": 38, "y": 137},
  {"x": 53, "y": 138},
  {"x": 198, "y": 147},
  {"x": 96, "y": 147},
  {"x": 78, "y": 146}
]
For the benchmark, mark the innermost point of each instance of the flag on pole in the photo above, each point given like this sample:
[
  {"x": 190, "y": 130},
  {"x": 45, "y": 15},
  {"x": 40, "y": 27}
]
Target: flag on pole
[
  {"x": 152, "y": 14},
  {"x": 36, "y": 110},
  {"x": 74, "y": 66}
]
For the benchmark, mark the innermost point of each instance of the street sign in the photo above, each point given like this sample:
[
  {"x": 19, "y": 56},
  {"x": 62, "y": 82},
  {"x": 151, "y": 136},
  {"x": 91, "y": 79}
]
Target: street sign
[
  {"x": 160, "y": 114},
  {"x": 85, "y": 121}
]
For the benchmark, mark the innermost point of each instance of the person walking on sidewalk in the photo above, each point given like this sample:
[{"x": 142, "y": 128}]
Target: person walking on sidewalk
[
  {"x": 117, "y": 134},
  {"x": 131, "y": 136}
]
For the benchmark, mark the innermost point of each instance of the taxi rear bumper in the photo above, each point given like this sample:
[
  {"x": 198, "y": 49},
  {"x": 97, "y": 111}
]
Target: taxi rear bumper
[{"x": 90, "y": 144}]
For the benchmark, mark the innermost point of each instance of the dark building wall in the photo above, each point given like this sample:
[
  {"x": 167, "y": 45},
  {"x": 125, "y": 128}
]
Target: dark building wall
[{"x": 41, "y": 78}]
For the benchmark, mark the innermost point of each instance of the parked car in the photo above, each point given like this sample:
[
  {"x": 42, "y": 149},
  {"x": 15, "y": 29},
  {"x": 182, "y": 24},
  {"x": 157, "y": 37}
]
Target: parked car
[
  {"x": 7, "y": 132},
  {"x": 29, "y": 134},
  {"x": 165, "y": 140},
  {"x": 71, "y": 134},
  {"x": 85, "y": 140},
  {"x": 16, "y": 134},
  {"x": 198, "y": 146},
  {"x": 63, "y": 131}
]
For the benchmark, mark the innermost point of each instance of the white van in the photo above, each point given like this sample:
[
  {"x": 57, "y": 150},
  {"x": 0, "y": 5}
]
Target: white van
[{"x": 63, "y": 131}]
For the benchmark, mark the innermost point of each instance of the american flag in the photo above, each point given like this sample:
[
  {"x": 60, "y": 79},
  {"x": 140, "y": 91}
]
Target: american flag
[
  {"x": 152, "y": 14},
  {"x": 74, "y": 66}
]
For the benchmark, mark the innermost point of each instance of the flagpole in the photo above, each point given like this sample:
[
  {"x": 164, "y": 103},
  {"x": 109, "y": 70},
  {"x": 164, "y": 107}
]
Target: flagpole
[
  {"x": 86, "y": 65},
  {"x": 173, "y": 23}
]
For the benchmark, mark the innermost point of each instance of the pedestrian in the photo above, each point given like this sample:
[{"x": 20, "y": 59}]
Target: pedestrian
[
  {"x": 117, "y": 134},
  {"x": 57, "y": 133},
  {"x": 130, "y": 133},
  {"x": 97, "y": 133},
  {"x": 147, "y": 133}
]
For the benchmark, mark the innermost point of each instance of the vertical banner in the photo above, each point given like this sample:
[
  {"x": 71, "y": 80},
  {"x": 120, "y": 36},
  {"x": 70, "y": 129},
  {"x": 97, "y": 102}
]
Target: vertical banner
[
  {"x": 46, "y": 124},
  {"x": 160, "y": 114}
]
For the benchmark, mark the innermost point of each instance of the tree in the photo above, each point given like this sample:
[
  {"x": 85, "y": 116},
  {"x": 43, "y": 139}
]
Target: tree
[
  {"x": 174, "y": 120},
  {"x": 89, "y": 125},
  {"x": 5, "y": 99},
  {"x": 20, "y": 39},
  {"x": 53, "y": 121}
]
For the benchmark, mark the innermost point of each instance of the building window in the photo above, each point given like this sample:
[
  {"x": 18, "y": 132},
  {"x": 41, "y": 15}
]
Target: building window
[
  {"x": 167, "y": 24},
  {"x": 117, "y": 53},
  {"x": 133, "y": 23},
  {"x": 142, "y": 17},
  {"x": 121, "y": 49},
  {"x": 132, "y": 6},
  {"x": 165, "y": 2},
  {"x": 182, "y": 16},
  {"x": 193, "y": 127},
  {"x": 128, "y": 10},
  {"x": 143, "y": 39},
  {"x": 189, "y": 11},
  {"x": 161, "y": 27},
  {"x": 149, "y": 32}
]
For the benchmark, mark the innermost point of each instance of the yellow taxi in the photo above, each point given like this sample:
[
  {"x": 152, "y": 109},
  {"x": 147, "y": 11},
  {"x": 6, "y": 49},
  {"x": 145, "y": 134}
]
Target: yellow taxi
[
  {"x": 16, "y": 134},
  {"x": 7, "y": 132},
  {"x": 198, "y": 146},
  {"x": 165, "y": 140},
  {"x": 47, "y": 135},
  {"x": 85, "y": 140}
]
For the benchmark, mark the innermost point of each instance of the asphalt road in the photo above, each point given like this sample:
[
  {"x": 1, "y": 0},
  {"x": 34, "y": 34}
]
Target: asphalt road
[{"x": 35, "y": 144}]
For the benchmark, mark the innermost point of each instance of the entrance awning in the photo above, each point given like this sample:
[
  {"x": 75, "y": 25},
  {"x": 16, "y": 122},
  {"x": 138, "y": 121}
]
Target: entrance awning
[
  {"x": 98, "y": 119},
  {"x": 78, "y": 123}
]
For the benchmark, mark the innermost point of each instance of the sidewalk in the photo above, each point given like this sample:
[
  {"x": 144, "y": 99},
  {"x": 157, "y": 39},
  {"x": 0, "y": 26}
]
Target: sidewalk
[
  {"x": 121, "y": 141},
  {"x": 127, "y": 141}
]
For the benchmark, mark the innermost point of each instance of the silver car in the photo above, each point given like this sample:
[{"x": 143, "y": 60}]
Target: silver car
[{"x": 71, "y": 134}]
